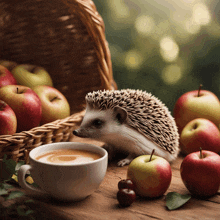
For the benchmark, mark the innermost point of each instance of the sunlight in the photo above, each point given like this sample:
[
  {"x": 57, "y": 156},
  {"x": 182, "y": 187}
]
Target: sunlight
[
  {"x": 201, "y": 14},
  {"x": 192, "y": 27},
  {"x": 133, "y": 59},
  {"x": 169, "y": 49},
  {"x": 120, "y": 9},
  {"x": 144, "y": 25},
  {"x": 171, "y": 74},
  {"x": 189, "y": 1},
  {"x": 162, "y": 28}
]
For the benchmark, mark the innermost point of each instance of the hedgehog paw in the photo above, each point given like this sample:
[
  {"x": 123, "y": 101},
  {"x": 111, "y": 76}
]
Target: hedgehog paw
[{"x": 125, "y": 161}]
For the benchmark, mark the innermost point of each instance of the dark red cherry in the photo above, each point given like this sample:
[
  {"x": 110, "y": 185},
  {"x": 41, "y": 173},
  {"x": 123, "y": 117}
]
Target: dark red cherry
[
  {"x": 126, "y": 197},
  {"x": 126, "y": 184}
]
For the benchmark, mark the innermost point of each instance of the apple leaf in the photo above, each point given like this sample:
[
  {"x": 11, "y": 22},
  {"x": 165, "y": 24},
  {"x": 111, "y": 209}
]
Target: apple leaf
[
  {"x": 22, "y": 212},
  {"x": 18, "y": 165},
  {"x": 9, "y": 165},
  {"x": 10, "y": 168},
  {"x": 175, "y": 200},
  {"x": 5, "y": 186},
  {"x": 3, "y": 192},
  {"x": 14, "y": 194}
]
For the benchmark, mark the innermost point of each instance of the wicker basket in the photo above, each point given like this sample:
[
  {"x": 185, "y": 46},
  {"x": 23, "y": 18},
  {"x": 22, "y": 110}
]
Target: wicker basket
[{"x": 67, "y": 38}]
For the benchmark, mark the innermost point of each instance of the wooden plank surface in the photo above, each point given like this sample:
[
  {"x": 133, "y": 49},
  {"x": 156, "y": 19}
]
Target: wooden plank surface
[{"x": 102, "y": 204}]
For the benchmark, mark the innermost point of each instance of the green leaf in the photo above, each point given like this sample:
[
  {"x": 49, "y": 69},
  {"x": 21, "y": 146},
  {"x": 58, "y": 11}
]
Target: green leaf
[
  {"x": 175, "y": 200},
  {"x": 34, "y": 185},
  {"x": 5, "y": 186},
  {"x": 9, "y": 165},
  {"x": 3, "y": 192},
  {"x": 18, "y": 165},
  {"x": 14, "y": 194},
  {"x": 22, "y": 212},
  {"x": 29, "y": 201},
  {"x": 29, "y": 211}
]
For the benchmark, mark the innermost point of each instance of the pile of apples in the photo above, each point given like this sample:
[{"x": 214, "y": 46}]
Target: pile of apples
[
  {"x": 28, "y": 98},
  {"x": 197, "y": 115},
  {"x": 147, "y": 176}
]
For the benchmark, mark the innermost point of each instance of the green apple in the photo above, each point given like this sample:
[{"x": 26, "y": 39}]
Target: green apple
[
  {"x": 54, "y": 103},
  {"x": 31, "y": 75},
  {"x": 196, "y": 104},
  {"x": 150, "y": 175},
  {"x": 200, "y": 133}
]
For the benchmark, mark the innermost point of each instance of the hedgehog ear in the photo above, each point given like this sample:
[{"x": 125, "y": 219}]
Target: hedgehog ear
[{"x": 120, "y": 114}]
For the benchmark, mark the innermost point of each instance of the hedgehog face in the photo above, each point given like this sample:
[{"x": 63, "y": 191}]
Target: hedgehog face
[{"x": 99, "y": 124}]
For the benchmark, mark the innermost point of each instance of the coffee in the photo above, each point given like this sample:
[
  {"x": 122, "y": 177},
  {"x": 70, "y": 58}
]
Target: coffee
[{"x": 68, "y": 156}]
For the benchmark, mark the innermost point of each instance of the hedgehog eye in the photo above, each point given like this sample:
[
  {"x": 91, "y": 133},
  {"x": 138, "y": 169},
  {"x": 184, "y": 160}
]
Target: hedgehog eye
[{"x": 97, "y": 123}]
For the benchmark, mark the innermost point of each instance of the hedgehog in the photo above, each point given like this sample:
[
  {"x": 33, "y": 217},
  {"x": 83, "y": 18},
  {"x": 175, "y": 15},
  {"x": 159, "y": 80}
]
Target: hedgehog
[{"x": 131, "y": 121}]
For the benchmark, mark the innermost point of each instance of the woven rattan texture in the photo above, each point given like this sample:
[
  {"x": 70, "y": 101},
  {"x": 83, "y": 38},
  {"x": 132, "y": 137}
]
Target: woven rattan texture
[
  {"x": 18, "y": 146},
  {"x": 67, "y": 38}
]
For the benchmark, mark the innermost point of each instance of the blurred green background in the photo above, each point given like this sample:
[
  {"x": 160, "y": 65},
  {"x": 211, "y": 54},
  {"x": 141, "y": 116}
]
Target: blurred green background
[{"x": 164, "y": 47}]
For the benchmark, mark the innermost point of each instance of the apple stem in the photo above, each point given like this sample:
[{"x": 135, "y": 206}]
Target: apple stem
[
  {"x": 152, "y": 154},
  {"x": 2, "y": 105},
  {"x": 33, "y": 70},
  {"x": 200, "y": 153},
  {"x": 54, "y": 98},
  {"x": 17, "y": 90},
  {"x": 200, "y": 86}
]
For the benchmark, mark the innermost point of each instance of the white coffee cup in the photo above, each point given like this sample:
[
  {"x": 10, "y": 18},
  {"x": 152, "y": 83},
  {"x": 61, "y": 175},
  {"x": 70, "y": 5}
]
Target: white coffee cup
[{"x": 64, "y": 181}]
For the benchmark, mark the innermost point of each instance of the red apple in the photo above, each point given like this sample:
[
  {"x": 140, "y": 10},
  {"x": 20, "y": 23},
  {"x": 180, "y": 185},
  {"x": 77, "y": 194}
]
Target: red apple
[
  {"x": 200, "y": 172},
  {"x": 196, "y": 104},
  {"x": 200, "y": 133},
  {"x": 8, "y": 120},
  {"x": 10, "y": 65},
  {"x": 6, "y": 77},
  {"x": 150, "y": 175},
  {"x": 25, "y": 103},
  {"x": 54, "y": 104}
]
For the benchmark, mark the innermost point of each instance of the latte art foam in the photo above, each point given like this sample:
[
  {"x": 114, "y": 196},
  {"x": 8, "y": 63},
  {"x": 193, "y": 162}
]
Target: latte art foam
[{"x": 68, "y": 156}]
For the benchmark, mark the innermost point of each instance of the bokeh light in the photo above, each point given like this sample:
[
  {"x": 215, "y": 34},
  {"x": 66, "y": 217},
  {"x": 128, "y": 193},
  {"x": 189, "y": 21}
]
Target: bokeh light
[
  {"x": 120, "y": 9},
  {"x": 169, "y": 49},
  {"x": 200, "y": 17},
  {"x": 201, "y": 14},
  {"x": 165, "y": 44},
  {"x": 133, "y": 59},
  {"x": 145, "y": 25},
  {"x": 171, "y": 74},
  {"x": 192, "y": 27}
]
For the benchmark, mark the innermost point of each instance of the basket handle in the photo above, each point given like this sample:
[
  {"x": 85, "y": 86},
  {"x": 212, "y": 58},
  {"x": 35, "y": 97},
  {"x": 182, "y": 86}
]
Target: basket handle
[{"x": 96, "y": 29}]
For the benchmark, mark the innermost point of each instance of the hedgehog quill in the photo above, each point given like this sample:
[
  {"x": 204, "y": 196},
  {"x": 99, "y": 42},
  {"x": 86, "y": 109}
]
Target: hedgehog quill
[{"x": 130, "y": 121}]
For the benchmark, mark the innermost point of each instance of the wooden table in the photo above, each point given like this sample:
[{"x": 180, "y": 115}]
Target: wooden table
[{"x": 102, "y": 204}]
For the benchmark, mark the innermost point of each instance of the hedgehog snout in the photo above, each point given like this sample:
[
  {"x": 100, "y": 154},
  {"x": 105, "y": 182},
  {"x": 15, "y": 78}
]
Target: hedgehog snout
[
  {"x": 79, "y": 133},
  {"x": 75, "y": 132}
]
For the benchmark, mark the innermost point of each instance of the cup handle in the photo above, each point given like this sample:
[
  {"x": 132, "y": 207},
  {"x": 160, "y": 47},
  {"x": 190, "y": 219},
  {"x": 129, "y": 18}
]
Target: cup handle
[{"x": 22, "y": 182}]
